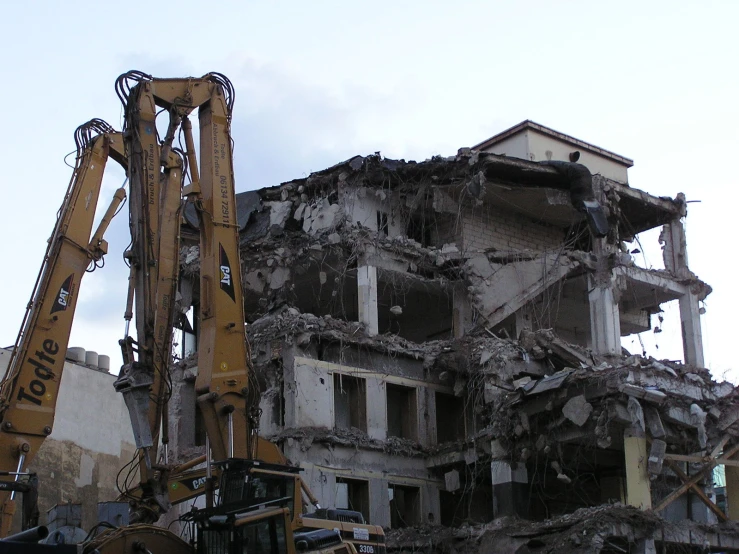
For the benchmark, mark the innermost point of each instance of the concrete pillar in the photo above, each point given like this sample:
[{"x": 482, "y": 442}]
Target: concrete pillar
[
  {"x": 510, "y": 489},
  {"x": 461, "y": 311},
  {"x": 638, "y": 493},
  {"x": 426, "y": 426},
  {"x": 379, "y": 501},
  {"x": 376, "y": 409},
  {"x": 732, "y": 492},
  {"x": 675, "y": 256},
  {"x": 605, "y": 323},
  {"x": 690, "y": 323},
  {"x": 430, "y": 504},
  {"x": 322, "y": 483},
  {"x": 430, "y": 416},
  {"x": 367, "y": 294}
]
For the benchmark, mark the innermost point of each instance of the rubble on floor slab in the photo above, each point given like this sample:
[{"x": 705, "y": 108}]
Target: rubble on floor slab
[
  {"x": 288, "y": 324},
  {"x": 354, "y": 438},
  {"x": 607, "y": 528},
  {"x": 589, "y": 403},
  {"x": 533, "y": 394},
  {"x": 611, "y": 528}
]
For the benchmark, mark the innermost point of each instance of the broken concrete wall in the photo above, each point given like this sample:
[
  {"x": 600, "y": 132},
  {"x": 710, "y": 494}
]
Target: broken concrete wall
[
  {"x": 69, "y": 473},
  {"x": 375, "y": 209},
  {"x": 309, "y": 396},
  {"x": 323, "y": 461},
  {"x": 186, "y": 435},
  {"x": 312, "y": 267},
  {"x": 90, "y": 442}
]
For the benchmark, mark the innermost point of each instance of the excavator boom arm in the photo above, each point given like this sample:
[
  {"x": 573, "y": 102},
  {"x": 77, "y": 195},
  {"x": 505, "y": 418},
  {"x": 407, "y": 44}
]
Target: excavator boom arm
[{"x": 29, "y": 390}]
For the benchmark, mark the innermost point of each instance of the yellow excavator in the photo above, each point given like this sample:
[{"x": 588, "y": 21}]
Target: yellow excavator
[
  {"x": 257, "y": 497},
  {"x": 29, "y": 390},
  {"x": 260, "y": 504}
]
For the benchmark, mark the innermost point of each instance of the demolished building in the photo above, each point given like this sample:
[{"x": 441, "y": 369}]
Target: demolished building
[{"x": 440, "y": 342}]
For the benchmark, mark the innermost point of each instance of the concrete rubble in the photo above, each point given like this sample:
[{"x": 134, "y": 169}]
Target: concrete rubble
[
  {"x": 607, "y": 528},
  {"x": 439, "y": 342}
]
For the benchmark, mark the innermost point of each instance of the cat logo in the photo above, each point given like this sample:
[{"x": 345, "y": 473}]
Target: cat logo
[
  {"x": 227, "y": 284},
  {"x": 63, "y": 296},
  {"x": 226, "y": 275},
  {"x": 198, "y": 483}
]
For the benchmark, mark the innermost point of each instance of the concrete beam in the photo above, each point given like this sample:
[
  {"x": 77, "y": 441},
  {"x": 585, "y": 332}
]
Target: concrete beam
[
  {"x": 635, "y": 322},
  {"x": 505, "y": 288},
  {"x": 652, "y": 279}
]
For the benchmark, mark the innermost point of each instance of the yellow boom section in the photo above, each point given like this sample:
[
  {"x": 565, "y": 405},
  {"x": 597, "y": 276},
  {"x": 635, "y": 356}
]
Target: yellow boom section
[{"x": 29, "y": 391}]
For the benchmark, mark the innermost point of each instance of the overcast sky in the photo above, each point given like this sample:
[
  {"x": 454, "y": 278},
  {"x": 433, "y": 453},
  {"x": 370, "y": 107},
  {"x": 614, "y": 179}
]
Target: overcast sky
[{"x": 319, "y": 81}]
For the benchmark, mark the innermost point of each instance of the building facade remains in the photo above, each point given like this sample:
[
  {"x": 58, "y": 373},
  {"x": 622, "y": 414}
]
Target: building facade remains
[{"x": 439, "y": 343}]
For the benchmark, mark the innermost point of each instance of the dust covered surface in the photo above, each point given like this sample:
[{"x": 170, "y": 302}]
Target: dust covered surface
[{"x": 587, "y": 530}]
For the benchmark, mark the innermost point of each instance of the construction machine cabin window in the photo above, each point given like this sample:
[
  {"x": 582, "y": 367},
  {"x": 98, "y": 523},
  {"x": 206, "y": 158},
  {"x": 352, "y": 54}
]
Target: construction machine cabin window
[
  {"x": 405, "y": 506},
  {"x": 352, "y": 494},
  {"x": 402, "y": 412},
  {"x": 350, "y": 402},
  {"x": 268, "y": 489},
  {"x": 263, "y": 537}
]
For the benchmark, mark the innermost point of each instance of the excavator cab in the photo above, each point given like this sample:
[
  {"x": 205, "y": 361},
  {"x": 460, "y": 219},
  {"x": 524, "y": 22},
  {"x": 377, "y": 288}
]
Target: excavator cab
[
  {"x": 252, "y": 514},
  {"x": 247, "y": 484},
  {"x": 262, "y": 531}
]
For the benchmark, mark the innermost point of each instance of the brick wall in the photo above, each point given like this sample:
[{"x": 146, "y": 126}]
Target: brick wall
[{"x": 485, "y": 227}]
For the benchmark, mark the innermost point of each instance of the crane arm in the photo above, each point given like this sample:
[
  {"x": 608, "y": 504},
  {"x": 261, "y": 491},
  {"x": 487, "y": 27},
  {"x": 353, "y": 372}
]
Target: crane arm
[
  {"x": 224, "y": 370},
  {"x": 228, "y": 395},
  {"x": 29, "y": 390},
  {"x": 156, "y": 171}
]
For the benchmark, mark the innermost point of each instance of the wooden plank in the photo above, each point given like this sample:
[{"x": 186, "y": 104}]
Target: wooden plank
[
  {"x": 697, "y": 490},
  {"x": 682, "y": 489},
  {"x": 700, "y": 460},
  {"x": 677, "y": 493}
]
